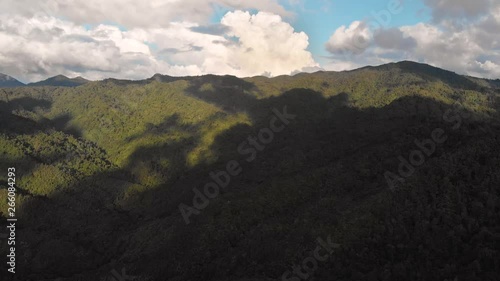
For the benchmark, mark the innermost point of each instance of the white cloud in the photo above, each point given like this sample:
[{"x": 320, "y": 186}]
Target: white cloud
[
  {"x": 353, "y": 39},
  {"x": 471, "y": 46},
  {"x": 459, "y": 9},
  {"x": 133, "y": 13},
  {"x": 266, "y": 44},
  {"x": 459, "y": 51},
  {"x": 393, "y": 38},
  {"x": 33, "y": 48}
]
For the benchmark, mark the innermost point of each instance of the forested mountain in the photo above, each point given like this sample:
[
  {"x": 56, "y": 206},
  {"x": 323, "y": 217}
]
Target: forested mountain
[
  {"x": 9, "y": 82},
  {"x": 61, "y": 81},
  {"x": 397, "y": 164}
]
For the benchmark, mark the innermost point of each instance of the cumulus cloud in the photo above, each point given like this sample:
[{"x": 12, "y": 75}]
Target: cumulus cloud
[
  {"x": 35, "y": 48},
  {"x": 461, "y": 51},
  {"x": 469, "y": 46},
  {"x": 459, "y": 9},
  {"x": 266, "y": 44},
  {"x": 394, "y": 38},
  {"x": 354, "y": 39},
  {"x": 243, "y": 44}
]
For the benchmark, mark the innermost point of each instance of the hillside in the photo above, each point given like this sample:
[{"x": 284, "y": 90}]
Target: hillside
[
  {"x": 9, "y": 82},
  {"x": 397, "y": 164}
]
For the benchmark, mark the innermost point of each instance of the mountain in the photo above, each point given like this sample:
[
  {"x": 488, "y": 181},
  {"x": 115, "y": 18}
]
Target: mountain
[
  {"x": 61, "y": 81},
  {"x": 381, "y": 173},
  {"x": 9, "y": 82},
  {"x": 165, "y": 78}
]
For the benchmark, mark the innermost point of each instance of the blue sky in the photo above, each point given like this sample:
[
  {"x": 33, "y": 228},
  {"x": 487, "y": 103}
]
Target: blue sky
[
  {"x": 97, "y": 40},
  {"x": 318, "y": 18}
]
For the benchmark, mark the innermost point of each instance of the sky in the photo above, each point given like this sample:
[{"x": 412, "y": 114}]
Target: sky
[{"x": 132, "y": 39}]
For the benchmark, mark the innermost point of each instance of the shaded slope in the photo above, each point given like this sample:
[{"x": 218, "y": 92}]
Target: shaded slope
[{"x": 9, "y": 82}]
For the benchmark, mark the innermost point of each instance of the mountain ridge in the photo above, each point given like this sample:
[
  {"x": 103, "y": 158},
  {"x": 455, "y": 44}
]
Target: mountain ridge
[
  {"x": 9, "y": 81},
  {"x": 404, "y": 66},
  {"x": 61, "y": 81}
]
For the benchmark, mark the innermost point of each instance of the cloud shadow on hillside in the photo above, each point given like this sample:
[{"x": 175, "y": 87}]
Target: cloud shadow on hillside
[{"x": 90, "y": 233}]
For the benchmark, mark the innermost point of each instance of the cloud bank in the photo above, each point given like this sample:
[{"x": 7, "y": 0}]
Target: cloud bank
[
  {"x": 129, "y": 39},
  {"x": 171, "y": 39},
  {"x": 463, "y": 37}
]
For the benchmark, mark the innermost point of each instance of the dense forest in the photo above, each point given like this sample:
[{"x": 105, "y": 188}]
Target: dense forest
[{"x": 395, "y": 165}]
